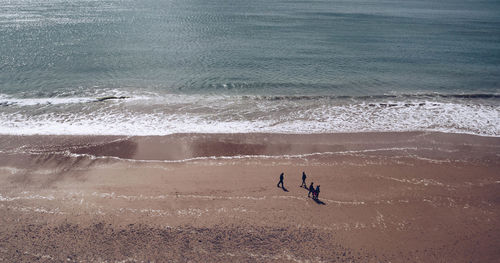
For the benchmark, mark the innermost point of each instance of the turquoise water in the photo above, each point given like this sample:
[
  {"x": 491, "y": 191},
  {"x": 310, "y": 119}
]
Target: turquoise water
[{"x": 240, "y": 66}]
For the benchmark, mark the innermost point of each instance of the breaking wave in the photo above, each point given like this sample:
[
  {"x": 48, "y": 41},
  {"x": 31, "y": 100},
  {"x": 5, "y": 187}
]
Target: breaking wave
[{"x": 163, "y": 114}]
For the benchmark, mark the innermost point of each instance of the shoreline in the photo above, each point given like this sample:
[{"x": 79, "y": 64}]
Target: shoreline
[
  {"x": 196, "y": 145},
  {"x": 253, "y": 133},
  {"x": 398, "y": 197}
]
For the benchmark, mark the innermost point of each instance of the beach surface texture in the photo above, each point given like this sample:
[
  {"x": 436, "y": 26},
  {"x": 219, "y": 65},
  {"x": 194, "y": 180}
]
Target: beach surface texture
[{"x": 385, "y": 197}]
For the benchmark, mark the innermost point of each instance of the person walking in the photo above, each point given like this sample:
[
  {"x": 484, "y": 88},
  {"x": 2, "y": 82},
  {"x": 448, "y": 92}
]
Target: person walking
[
  {"x": 311, "y": 189},
  {"x": 316, "y": 193},
  {"x": 304, "y": 176},
  {"x": 281, "y": 180}
]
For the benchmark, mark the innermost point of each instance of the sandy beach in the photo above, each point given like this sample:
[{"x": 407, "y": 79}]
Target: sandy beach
[{"x": 385, "y": 197}]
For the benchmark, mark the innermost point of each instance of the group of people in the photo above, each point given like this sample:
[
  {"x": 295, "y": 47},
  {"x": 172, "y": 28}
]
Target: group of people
[{"x": 314, "y": 192}]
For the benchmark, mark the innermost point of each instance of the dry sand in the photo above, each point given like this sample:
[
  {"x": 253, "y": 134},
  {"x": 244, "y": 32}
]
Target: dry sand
[{"x": 385, "y": 197}]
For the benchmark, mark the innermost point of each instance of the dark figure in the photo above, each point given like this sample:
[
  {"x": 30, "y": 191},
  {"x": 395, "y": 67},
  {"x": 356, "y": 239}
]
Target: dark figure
[
  {"x": 304, "y": 180},
  {"x": 281, "y": 181},
  {"x": 316, "y": 193},
  {"x": 311, "y": 190}
]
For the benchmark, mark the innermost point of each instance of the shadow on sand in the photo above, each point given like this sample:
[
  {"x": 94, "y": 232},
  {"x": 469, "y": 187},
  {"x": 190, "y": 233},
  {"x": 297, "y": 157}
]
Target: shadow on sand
[{"x": 319, "y": 202}]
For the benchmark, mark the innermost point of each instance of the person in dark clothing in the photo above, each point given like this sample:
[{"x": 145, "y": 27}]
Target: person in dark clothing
[
  {"x": 311, "y": 189},
  {"x": 304, "y": 180},
  {"x": 281, "y": 180},
  {"x": 316, "y": 193}
]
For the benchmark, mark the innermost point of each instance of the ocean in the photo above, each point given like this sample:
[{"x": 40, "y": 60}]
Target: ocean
[{"x": 234, "y": 66}]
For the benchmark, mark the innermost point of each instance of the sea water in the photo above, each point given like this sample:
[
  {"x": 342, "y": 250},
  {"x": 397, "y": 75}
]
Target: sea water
[{"x": 229, "y": 66}]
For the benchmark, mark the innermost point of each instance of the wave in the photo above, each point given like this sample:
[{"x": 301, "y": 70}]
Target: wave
[
  {"x": 5, "y": 101},
  {"x": 106, "y": 95},
  {"x": 383, "y": 96},
  {"x": 163, "y": 114}
]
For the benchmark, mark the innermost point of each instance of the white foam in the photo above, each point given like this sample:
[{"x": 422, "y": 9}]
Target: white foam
[
  {"x": 30, "y": 209},
  {"x": 149, "y": 115},
  {"x": 5, "y": 100},
  {"x": 29, "y": 197},
  {"x": 257, "y": 157}
]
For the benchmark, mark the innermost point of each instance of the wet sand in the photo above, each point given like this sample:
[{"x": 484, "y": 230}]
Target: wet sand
[{"x": 385, "y": 197}]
